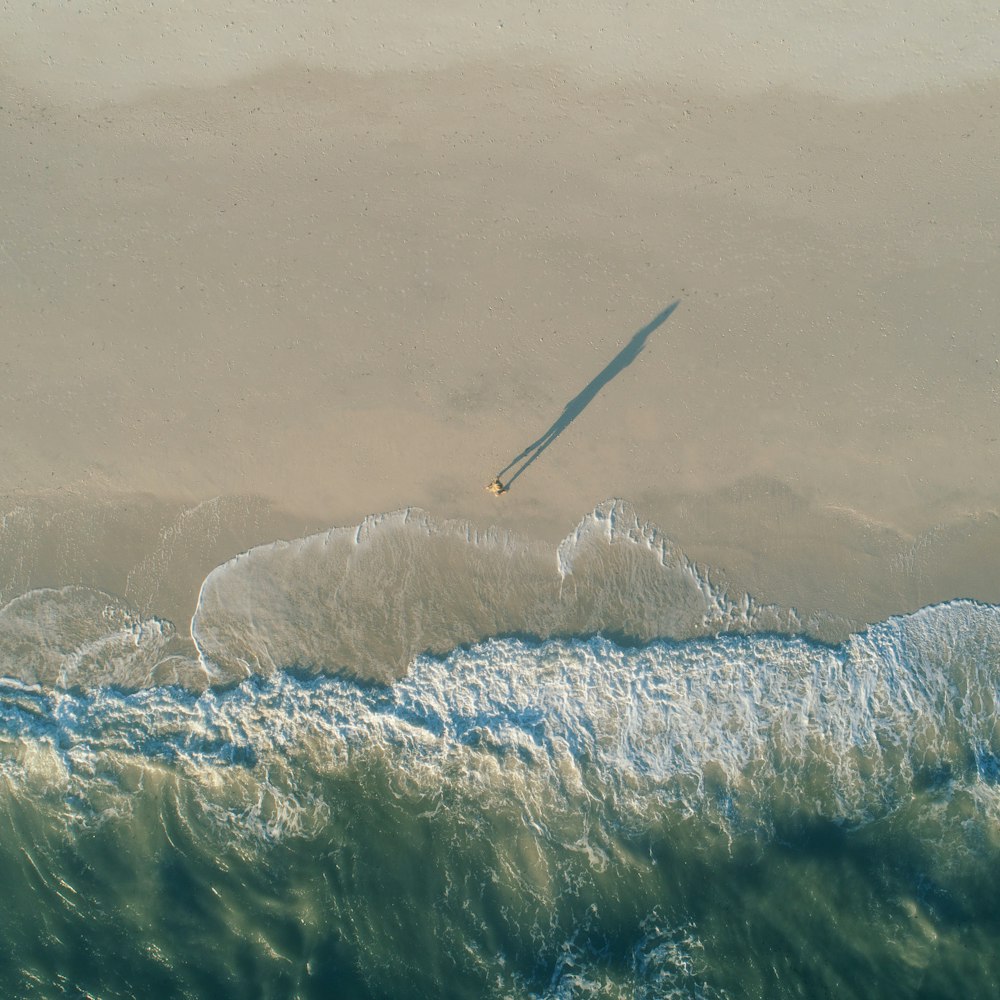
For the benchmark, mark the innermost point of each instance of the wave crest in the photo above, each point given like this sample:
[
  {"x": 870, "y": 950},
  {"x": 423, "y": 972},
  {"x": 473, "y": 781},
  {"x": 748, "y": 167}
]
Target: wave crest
[{"x": 737, "y": 728}]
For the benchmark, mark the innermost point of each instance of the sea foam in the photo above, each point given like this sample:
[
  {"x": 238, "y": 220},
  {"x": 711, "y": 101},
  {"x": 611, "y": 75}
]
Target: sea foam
[
  {"x": 733, "y": 727},
  {"x": 75, "y": 636},
  {"x": 563, "y": 748}
]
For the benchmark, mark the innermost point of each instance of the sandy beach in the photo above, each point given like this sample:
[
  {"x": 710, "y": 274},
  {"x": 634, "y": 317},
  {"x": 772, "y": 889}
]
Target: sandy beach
[
  {"x": 308, "y": 265},
  {"x": 703, "y": 703}
]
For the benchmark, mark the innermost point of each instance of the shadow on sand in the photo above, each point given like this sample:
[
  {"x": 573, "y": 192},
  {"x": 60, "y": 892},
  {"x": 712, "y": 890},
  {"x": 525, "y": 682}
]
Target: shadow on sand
[{"x": 579, "y": 402}]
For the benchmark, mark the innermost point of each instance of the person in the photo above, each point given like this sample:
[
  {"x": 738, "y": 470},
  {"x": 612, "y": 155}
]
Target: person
[{"x": 496, "y": 487}]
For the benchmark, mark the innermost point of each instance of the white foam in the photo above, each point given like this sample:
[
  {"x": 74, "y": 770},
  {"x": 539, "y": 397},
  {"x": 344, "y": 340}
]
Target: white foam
[
  {"x": 581, "y": 735},
  {"x": 666, "y": 963},
  {"x": 76, "y": 636},
  {"x": 544, "y": 769}
]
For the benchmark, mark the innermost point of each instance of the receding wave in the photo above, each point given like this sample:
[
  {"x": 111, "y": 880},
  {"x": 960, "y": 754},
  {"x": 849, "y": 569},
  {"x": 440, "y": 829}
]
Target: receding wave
[
  {"x": 367, "y": 600},
  {"x": 75, "y": 637}
]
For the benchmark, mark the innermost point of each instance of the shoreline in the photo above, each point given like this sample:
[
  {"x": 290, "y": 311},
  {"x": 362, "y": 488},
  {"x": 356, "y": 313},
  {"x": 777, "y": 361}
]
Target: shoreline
[
  {"x": 822, "y": 565},
  {"x": 703, "y": 703},
  {"x": 319, "y": 292}
]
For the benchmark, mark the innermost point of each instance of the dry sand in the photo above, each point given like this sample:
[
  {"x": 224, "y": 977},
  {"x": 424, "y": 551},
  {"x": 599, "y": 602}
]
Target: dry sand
[{"x": 346, "y": 261}]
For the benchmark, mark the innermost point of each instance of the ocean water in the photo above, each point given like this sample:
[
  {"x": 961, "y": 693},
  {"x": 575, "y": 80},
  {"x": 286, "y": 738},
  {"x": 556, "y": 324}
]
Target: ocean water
[{"x": 409, "y": 760}]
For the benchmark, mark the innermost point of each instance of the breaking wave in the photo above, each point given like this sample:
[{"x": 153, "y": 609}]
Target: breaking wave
[
  {"x": 728, "y": 728},
  {"x": 410, "y": 759}
]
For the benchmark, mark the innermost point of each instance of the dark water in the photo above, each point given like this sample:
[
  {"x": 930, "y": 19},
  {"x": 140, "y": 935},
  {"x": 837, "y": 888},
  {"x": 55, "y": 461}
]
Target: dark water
[{"x": 720, "y": 815}]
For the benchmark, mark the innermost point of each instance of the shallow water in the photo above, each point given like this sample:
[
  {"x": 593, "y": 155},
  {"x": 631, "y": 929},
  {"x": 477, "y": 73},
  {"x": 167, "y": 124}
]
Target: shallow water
[{"x": 713, "y": 803}]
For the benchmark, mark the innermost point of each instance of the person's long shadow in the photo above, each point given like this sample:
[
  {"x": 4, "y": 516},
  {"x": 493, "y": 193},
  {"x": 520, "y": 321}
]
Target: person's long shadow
[{"x": 578, "y": 403}]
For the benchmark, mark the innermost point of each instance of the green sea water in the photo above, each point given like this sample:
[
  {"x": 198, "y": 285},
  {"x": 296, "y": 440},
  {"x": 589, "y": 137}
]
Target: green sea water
[
  {"x": 409, "y": 760},
  {"x": 737, "y": 816}
]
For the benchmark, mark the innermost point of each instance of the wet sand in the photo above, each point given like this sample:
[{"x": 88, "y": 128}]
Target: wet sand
[{"x": 347, "y": 265}]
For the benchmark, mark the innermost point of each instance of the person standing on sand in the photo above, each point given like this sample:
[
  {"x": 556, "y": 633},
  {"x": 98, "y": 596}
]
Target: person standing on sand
[{"x": 496, "y": 487}]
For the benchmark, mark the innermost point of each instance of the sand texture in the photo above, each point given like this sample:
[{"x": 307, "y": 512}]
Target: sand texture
[{"x": 319, "y": 262}]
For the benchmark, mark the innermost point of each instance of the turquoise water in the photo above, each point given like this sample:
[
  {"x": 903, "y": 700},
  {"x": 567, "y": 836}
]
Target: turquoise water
[{"x": 736, "y": 814}]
